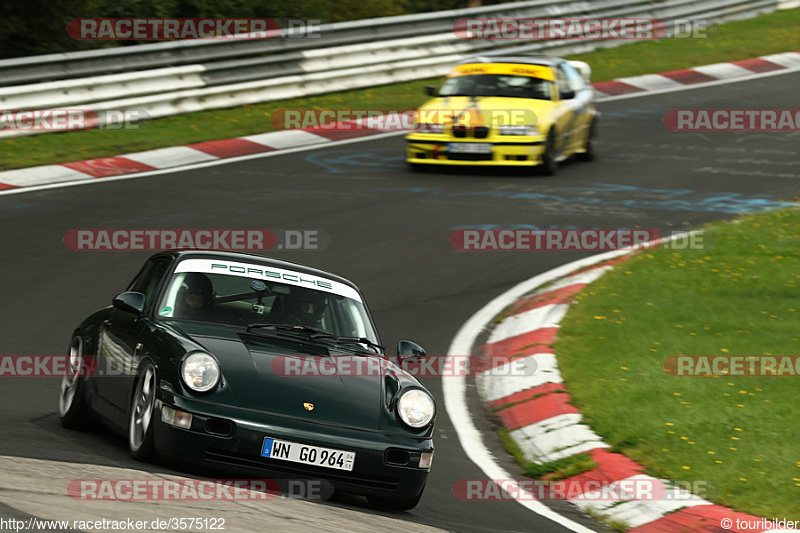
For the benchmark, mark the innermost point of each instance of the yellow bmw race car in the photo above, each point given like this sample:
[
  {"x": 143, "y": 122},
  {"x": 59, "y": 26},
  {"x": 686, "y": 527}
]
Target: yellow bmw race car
[{"x": 507, "y": 111}]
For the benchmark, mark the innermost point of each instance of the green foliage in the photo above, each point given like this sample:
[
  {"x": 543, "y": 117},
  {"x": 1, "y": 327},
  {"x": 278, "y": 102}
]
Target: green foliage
[
  {"x": 738, "y": 297},
  {"x": 562, "y": 468}
]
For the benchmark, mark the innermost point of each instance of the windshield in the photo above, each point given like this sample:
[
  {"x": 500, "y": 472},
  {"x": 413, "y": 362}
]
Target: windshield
[
  {"x": 239, "y": 294},
  {"x": 507, "y": 86}
]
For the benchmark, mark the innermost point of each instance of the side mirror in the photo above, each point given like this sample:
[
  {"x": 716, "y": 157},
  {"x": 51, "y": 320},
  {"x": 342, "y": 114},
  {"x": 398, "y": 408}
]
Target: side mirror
[
  {"x": 406, "y": 349},
  {"x": 567, "y": 95},
  {"x": 430, "y": 90},
  {"x": 130, "y": 302}
]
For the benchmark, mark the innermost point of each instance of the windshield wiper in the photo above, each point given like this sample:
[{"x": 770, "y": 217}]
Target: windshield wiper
[
  {"x": 286, "y": 327},
  {"x": 316, "y": 333},
  {"x": 338, "y": 338}
]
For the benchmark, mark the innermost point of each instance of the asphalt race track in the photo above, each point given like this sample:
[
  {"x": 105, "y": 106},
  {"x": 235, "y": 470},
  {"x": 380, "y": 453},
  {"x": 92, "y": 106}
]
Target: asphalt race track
[{"x": 389, "y": 231}]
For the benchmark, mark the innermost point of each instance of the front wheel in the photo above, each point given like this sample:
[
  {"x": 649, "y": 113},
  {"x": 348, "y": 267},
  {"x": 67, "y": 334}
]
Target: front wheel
[
  {"x": 140, "y": 426},
  {"x": 549, "y": 161},
  {"x": 73, "y": 410}
]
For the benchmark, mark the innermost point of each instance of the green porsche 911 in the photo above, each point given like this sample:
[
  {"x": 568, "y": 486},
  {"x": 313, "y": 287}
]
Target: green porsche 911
[{"x": 214, "y": 358}]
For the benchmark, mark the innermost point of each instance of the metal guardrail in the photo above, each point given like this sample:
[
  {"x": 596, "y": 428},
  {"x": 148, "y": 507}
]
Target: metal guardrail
[{"x": 176, "y": 77}]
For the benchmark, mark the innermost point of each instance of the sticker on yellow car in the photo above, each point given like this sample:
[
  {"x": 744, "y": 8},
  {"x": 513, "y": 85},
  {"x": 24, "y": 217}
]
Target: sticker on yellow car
[{"x": 512, "y": 69}]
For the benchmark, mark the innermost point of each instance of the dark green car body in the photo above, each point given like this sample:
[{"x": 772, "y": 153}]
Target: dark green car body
[{"x": 252, "y": 401}]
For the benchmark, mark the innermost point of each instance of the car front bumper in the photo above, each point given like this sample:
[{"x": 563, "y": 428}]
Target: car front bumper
[
  {"x": 430, "y": 150},
  {"x": 231, "y": 438}
]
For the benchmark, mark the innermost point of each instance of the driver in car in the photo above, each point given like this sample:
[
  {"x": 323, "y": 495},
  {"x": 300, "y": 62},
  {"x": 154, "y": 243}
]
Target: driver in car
[
  {"x": 303, "y": 307},
  {"x": 196, "y": 297}
]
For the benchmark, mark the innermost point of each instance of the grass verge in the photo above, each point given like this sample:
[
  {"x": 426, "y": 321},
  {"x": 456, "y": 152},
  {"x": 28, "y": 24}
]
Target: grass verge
[
  {"x": 562, "y": 468},
  {"x": 771, "y": 33},
  {"x": 738, "y": 434}
]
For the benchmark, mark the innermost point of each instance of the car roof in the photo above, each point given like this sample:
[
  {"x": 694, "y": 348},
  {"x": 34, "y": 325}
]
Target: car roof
[
  {"x": 544, "y": 61},
  {"x": 256, "y": 259}
]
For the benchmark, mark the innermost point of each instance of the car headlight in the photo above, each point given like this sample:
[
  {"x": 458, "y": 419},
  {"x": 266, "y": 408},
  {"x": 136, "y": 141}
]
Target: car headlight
[
  {"x": 416, "y": 408},
  {"x": 519, "y": 130},
  {"x": 200, "y": 372},
  {"x": 427, "y": 127}
]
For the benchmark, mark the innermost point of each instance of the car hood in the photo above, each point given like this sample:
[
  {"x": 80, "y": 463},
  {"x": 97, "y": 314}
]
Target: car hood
[
  {"x": 279, "y": 377},
  {"x": 494, "y": 110}
]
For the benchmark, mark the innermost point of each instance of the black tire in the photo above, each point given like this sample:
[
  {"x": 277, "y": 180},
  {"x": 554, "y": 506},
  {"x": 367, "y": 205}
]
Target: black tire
[
  {"x": 395, "y": 503},
  {"x": 73, "y": 411},
  {"x": 141, "y": 419},
  {"x": 549, "y": 165},
  {"x": 590, "y": 153}
]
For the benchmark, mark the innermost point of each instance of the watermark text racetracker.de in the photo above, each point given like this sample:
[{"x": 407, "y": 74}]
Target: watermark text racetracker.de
[
  {"x": 198, "y": 489},
  {"x": 532, "y": 29},
  {"x": 733, "y": 119},
  {"x": 198, "y": 239},
  {"x": 635, "y": 488},
  {"x": 733, "y": 365},
  {"x": 573, "y": 239},
  {"x": 47, "y": 365},
  {"x": 426, "y": 366},
  {"x": 167, "y": 29},
  {"x": 399, "y": 119},
  {"x": 22, "y": 121}
]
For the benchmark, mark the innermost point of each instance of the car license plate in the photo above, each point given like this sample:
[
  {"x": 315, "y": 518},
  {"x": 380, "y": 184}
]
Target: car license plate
[
  {"x": 308, "y": 455},
  {"x": 469, "y": 148}
]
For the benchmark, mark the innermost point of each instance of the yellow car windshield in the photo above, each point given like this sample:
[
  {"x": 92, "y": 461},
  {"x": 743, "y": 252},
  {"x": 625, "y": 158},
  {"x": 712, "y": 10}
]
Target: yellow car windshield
[{"x": 502, "y": 85}]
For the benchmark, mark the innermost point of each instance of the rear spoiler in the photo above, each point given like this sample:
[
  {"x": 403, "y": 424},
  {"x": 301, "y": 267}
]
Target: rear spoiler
[{"x": 583, "y": 68}]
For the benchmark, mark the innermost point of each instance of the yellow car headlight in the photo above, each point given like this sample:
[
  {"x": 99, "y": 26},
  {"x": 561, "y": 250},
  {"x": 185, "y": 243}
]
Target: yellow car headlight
[{"x": 518, "y": 130}]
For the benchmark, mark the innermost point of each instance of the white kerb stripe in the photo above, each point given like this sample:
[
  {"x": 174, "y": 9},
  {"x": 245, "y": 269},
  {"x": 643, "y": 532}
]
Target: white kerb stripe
[
  {"x": 544, "y": 440},
  {"x": 638, "y": 512},
  {"x": 287, "y": 138},
  {"x": 723, "y": 71},
  {"x": 651, "y": 82},
  {"x": 786, "y": 59},
  {"x": 547, "y": 316},
  {"x": 501, "y": 382},
  {"x": 575, "y": 279},
  {"x": 170, "y": 157},
  {"x": 25, "y": 177}
]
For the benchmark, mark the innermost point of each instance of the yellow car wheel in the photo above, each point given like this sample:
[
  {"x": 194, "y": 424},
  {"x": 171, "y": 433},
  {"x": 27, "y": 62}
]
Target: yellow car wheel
[
  {"x": 549, "y": 161},
  {"x": 591, "y": 151}
]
